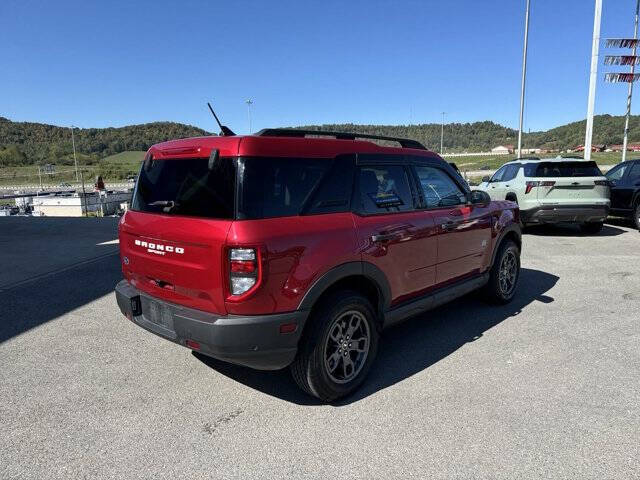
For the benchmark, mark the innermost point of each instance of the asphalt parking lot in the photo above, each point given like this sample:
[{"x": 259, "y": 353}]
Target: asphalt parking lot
[{"x": 545, "y": 387}]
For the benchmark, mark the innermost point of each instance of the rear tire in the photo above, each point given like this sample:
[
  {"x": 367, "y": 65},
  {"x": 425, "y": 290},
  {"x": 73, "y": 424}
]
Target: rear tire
[
  {"x": 591, "y": 227},
  {"x": 338, "y": 347},
  {"x": 504, "y": 274}
]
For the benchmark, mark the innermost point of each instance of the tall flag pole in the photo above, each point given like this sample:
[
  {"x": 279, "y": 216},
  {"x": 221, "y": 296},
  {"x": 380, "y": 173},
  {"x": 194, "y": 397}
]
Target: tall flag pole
[
  {"x": 595, "y": 46},
  {"x": 630, "y": 92},
  {"x": 524, "y": 76}
]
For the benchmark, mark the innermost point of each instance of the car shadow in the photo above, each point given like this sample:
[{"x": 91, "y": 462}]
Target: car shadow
[
  {"x": 569, "y": 230},
  {"x": 620, "y": 222},
  {"x": 410, "y": 347},
  {"x": 53, "y": 266}
]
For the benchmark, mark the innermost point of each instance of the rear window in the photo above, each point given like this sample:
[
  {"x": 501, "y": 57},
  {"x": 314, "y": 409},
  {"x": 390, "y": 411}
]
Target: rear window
[
  {"x": 186, "y": 187},
  {"x": 562, "y": 169}
]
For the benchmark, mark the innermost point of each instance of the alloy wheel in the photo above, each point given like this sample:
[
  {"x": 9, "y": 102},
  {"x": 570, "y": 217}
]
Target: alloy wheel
[{"x": 347, "y": 346}]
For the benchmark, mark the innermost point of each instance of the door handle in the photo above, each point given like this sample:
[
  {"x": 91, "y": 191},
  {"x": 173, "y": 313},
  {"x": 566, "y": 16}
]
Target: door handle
[{"x": 383, "y": 237}]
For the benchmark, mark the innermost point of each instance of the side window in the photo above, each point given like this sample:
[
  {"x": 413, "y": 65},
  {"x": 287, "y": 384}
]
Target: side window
[
  {"x": 617, "y": 173},
  {"x": 511, "y": 172},
  {"x": 333, "y": 194},
  {"x": 384, "y": 188},
  {"x": 497, "y": 177},
  {"x": 438, "y": 188},
  {"x": 634, "y": 173}
]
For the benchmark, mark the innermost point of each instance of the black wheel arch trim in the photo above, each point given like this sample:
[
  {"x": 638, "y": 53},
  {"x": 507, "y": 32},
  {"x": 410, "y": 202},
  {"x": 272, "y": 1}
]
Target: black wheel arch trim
[
  {"x": 515, "y": 228},
  {"x": 349, "y": 269}
]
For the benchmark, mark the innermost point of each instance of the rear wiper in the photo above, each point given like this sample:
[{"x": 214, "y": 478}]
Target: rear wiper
[{"x": 167, "y": 205}]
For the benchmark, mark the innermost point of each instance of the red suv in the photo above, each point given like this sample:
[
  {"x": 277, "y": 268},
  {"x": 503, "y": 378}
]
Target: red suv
[{"x": 280, "y": 249}]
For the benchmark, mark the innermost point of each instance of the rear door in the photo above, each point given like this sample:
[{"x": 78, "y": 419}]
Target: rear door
[
  {"x": 464, "y": 230},
  {"x": 172, "y": 239},
  {"x": 393, "y": 234},
  {"x": 572, "y": 182}
]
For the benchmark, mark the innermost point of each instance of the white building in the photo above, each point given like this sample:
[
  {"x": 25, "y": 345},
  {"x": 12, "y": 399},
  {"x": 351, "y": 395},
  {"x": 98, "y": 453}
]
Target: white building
[
  {"x": 502, "y": 150},
  {"x": 76, "y": 205}
]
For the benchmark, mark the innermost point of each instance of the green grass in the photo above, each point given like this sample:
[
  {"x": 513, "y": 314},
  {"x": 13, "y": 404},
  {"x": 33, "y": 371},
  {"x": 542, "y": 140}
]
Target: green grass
[
  {"x": 130, "y": 157},
  {"x": 113, "y": 168}
]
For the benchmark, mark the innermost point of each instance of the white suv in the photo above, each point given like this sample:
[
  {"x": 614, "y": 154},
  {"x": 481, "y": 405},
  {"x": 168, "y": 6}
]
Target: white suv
[{"x": 553, "y": 190}]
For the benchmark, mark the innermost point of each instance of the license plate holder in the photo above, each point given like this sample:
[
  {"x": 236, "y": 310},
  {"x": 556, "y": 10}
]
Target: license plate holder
[{"x": 160, "y": 315}]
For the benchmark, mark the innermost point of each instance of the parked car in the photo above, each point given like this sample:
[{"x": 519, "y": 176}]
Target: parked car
[
  {"x": 553, "y": 190},
  {"x": 625, "y": 190},
  {"x": 279, "y": 250}
]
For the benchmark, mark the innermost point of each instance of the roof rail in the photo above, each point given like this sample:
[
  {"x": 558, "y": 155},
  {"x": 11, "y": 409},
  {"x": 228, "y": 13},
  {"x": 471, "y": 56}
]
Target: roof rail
[
  {"x": 526, "y": 158},
  {"x": 292, "y": 132}
]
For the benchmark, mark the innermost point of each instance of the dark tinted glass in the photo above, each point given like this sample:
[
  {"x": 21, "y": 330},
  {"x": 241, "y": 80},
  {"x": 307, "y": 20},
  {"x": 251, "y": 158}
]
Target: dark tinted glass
[
  {"x": 384, "y": 188},
  {"x": 186, "y": 187},
  {"x": 634, "y": 173},
  {"x": 278, "y": 187},
  {"x": 333, "y": 194},
  {"x": 562, "y": 169},
  {"x": 617, "y": 172},
  {"x": 439, "y": 189}
]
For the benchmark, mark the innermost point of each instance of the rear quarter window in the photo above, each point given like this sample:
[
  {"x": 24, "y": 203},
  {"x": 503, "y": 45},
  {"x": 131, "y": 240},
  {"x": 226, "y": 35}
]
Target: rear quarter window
[{"x": 281, "y": 187}]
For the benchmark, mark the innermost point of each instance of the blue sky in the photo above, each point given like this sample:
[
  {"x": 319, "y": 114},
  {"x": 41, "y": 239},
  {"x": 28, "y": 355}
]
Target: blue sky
[{"x": 114, "y": 63}]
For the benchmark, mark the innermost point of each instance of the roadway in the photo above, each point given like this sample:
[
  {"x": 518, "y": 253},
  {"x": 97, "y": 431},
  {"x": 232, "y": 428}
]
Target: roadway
[{"x": 545, "y": 387}]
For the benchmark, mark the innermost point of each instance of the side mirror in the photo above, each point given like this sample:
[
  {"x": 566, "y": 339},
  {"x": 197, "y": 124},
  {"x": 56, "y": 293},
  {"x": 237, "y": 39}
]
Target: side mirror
[
  {"x": 486, "y": 179},
  {"x": 479, "y": 197}
]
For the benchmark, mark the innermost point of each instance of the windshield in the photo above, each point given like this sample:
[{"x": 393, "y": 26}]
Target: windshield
[
  {"x": 186, "y": 187},
  {"x": 562, "y": 169}
]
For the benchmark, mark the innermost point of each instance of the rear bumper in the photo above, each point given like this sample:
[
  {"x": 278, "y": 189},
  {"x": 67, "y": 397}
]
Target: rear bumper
[
  {"x": 565, "y": 213},
  {"x": 252, "y": 341}
]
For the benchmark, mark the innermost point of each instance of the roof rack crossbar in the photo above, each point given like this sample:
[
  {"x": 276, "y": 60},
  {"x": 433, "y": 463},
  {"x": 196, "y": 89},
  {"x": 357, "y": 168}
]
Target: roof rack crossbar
[{"x": 292, "y": 132}]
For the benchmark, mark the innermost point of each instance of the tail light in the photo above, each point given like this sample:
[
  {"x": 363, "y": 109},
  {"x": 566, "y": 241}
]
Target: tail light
[
  {"x": 530, "y": 185},
  {"x": 243, "y": 270}
]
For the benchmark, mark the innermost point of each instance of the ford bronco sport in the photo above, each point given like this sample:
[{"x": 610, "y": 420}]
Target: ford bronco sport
[{"x": 279, "y": 249}]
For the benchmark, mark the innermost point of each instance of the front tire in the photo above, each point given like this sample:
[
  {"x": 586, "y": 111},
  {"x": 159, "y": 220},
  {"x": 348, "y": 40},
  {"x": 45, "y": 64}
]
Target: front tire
[
  {"x": 591, "y": 227},
  {"x": 337, "y": 348},
  {"x": 504, "y": 274},
  {"x": 636, "y": 216}
]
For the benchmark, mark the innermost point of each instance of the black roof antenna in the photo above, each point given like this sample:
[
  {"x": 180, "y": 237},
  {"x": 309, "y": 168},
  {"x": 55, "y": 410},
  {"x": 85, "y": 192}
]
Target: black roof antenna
[{"x": 224, "y": 131}]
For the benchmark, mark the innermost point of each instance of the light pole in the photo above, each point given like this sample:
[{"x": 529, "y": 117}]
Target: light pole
[
  {"x": 75, "y": 160},
  {"x": 442, "y": 134},
  {"x": 595, "y": 47},
  {"x": 249, "y": 102},
  {"x": 524, "y": 76}
]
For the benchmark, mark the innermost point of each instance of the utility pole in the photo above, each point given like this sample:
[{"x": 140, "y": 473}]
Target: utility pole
[
  {"x": 630, "y": 93},
  {"x": 595, "y": 46},
  {"x": 442, "y": 135},
  {"x": 75, "y": 160},
  {"x": 524, "y": 76},
  {"x": 249, "y": 102}
]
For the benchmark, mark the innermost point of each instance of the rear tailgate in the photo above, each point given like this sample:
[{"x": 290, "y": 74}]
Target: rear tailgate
[
  {"x": 570, "y": 182},
  {"x": 574, "y": 191},
  {"x": 172, "y": 238},
  {"x": 177, "y": 259}
]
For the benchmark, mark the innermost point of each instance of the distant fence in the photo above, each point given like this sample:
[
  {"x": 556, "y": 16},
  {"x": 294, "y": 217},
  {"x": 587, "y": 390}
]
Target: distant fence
[{"x": 474, "y": 154}]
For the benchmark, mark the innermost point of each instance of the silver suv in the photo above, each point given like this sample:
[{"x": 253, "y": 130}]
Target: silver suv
[{"x": 553, "y": 190}]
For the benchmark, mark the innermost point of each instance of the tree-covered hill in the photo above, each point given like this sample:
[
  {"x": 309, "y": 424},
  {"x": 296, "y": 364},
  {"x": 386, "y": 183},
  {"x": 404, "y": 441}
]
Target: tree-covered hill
[{"x": 27, "y": 143}]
